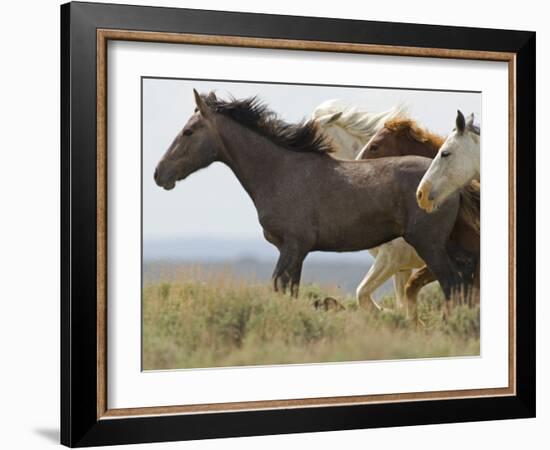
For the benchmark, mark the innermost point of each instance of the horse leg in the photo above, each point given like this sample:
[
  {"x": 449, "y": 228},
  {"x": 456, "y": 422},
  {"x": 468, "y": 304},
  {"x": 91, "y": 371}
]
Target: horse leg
[
  {"x": 440, "y": 264},
  {"x": 288, "y": 269},
  {"x": 442, "y": 268},
  {"x": 467, "y": 264},
  {"x": 477, "y": 293},
  {"x": 416, "y": 282},
  {"x": 399, "y": 282},
  {"x": 380, "y": 271},
  {"x": 295, "y": 275},
  {"x": 473, "y": 295},
  {"x": 282, "y": 262}
]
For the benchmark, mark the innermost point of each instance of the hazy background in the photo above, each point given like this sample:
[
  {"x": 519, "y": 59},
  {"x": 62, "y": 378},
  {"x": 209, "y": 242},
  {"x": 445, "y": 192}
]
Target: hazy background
[{"x": 209, "y": 220}]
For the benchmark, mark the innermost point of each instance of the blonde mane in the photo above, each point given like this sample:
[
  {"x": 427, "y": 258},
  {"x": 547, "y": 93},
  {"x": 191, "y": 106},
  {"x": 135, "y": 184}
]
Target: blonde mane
[
  {"x": 360, "y": 123},
  {"x": 405, "y": 126}
]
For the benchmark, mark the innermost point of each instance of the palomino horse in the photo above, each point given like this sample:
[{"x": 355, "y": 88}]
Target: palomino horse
[
  {"x": 349, "y": 129},
  {"x": 403, "y": 136},
  {"x": 306, "y": 200},
  {"x": 455, "y": 165}
]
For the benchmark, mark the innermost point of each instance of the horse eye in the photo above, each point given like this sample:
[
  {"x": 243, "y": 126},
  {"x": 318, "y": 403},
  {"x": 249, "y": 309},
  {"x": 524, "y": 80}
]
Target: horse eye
[
  {"x": 187, "y": 132},
  {"x": 373, "y": 148},
  {"x": 445, "y": 153}
]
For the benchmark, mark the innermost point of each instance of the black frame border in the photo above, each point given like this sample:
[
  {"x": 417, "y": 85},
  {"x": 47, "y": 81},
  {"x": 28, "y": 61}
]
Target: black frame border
[{"x": 79, "y": 423}]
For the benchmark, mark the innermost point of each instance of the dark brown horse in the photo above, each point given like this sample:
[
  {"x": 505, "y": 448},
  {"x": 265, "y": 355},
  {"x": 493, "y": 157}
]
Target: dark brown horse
[
  {"x": 401, "y": 137},
  {"x": 306, "y": 200}
]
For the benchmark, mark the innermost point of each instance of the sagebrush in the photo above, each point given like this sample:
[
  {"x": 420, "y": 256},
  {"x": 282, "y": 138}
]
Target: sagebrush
[{"x": 224, "y": 322}]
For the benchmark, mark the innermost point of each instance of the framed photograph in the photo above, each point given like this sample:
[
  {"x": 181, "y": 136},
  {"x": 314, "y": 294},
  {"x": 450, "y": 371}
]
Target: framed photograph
[{"x": 276, "y": 224}]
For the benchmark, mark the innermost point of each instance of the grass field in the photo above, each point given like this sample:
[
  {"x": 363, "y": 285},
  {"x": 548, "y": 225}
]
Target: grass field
[{"x": 225, "y": 322}]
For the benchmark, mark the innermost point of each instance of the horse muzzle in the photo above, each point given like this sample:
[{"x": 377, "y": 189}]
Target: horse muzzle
[
  {"x": 424, "y": 197},
  {"x": 160, "y": 181}
]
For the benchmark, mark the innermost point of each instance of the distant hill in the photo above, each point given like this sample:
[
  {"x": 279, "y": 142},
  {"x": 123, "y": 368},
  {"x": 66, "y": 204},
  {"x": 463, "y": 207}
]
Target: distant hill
[
  {"x": 206, "y": 249},
  {"x": 249, "y": 260},
  {"x": 343, "y": 276}
]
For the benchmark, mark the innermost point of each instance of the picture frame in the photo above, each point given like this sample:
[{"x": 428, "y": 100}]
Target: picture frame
[{"x": 86, "y": 28}]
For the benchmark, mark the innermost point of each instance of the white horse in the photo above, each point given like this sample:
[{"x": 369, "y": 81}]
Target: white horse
[
  {"x": 455, "y": 165},
  {"x": 350, "y": 129}
]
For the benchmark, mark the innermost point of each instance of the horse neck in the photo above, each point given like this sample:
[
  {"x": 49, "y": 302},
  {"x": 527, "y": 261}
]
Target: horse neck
[
  {"x": 477, "y": 155},
  {"x": 254, "y": 159},
  {"x": 472, "y": 153},
  {"x": 427, "y": 149},
  {"x": 349, "y": 145}
]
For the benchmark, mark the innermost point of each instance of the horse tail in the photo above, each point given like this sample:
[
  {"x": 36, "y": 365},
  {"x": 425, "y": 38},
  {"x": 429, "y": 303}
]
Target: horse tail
[{"x": 470, "y": 203}]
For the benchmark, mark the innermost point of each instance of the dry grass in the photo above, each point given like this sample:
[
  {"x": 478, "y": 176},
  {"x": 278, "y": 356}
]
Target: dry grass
[{"x": 224, "y": 322}]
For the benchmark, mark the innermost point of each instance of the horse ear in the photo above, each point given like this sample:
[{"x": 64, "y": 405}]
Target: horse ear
[
  {"x": 201, "y": 105},
  {"x": 335, "y": 116},
  {"x": 460, "y": 122},
  {"x": 470, "y": 121},
  {"x": 329, "y": 118}
]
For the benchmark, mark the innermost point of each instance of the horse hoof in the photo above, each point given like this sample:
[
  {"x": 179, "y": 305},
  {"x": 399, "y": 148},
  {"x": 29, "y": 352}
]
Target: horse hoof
[{"x": 376, "y": 307}]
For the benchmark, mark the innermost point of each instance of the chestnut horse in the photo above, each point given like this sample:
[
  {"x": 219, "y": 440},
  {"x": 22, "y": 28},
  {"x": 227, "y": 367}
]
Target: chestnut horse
[{"x": 402, "y": 136}]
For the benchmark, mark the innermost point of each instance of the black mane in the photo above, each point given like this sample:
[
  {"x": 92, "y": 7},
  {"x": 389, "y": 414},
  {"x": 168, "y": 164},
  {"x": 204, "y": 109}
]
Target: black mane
[{"x": 252, "y": 113}]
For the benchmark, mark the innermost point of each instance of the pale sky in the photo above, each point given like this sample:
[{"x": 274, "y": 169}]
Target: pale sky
[{"x": 211, "y": 202}]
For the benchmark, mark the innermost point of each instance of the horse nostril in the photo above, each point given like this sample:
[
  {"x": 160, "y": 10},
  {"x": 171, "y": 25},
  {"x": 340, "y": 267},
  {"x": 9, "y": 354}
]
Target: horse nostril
[
  {"x": 156, "y": 174},
  {"x": 419, "y": 195}
]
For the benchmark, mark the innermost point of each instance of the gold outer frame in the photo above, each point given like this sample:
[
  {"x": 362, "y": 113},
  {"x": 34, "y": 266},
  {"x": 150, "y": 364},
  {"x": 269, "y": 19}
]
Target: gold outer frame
[{"x": 103, "y": 36}]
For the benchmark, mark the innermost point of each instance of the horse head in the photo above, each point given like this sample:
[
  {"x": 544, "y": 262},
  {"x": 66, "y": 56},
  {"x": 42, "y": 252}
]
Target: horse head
[
  {"x": 193, "y": 148},
  {"x": 455, "y": 165}
]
